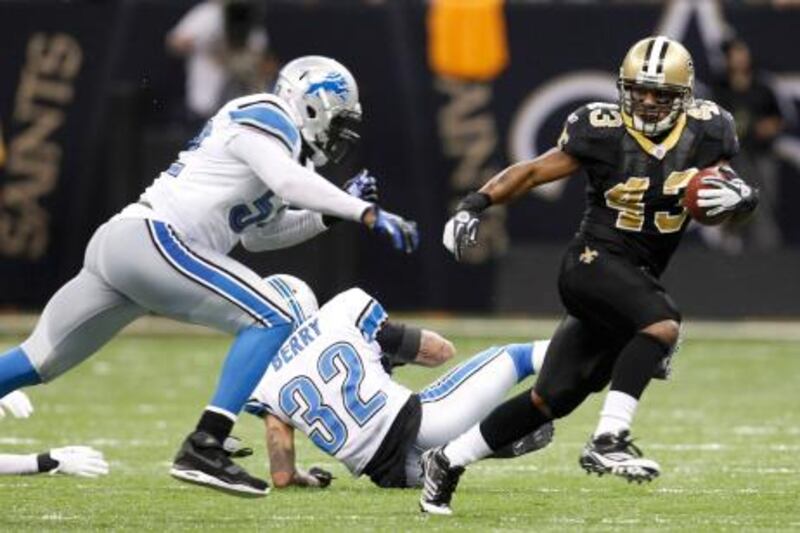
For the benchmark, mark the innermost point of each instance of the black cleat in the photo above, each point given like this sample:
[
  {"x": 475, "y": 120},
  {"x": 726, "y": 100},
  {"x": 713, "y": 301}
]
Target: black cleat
[
  {"x": 202, "y": 460},
  {"x": 530, "y": 443},
  {"x": 439, "y": 482},
  {"x": 616, "y": 454}
]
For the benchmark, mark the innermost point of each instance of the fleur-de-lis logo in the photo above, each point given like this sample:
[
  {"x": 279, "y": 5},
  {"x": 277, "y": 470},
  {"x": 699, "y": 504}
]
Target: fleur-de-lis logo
[{"x": 588, "y": 255}]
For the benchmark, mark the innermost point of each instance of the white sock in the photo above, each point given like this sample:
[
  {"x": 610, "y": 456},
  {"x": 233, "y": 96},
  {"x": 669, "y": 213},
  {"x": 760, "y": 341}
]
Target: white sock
[
  {"x": 538, "y": 353},
  {"x": 467, "y": 448},
  {"x": 617, "y": 413}
]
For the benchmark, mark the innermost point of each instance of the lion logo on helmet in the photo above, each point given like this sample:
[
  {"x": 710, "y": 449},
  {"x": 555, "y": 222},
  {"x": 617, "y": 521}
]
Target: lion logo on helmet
[{"x": 334, "y": 83}]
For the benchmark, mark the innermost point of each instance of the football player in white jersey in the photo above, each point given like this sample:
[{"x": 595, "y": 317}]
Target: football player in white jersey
[
  {"x": 80, "y": 461},
  {"x": 239, "y": 180},
  {"x": 331, "y": 380}
]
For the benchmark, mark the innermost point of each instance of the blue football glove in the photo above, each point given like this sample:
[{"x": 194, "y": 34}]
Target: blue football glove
[
  {"x": 363, "y": 186},
  {"x": 401, "y": 233}
]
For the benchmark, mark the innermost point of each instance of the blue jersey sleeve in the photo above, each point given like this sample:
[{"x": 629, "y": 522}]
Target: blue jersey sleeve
[{"x": 268, "y": 118}]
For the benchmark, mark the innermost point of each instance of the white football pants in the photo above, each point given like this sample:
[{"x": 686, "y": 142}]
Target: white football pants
[
  {"x": 133, "y": 266},
  {"x": 466, "y": 395}
]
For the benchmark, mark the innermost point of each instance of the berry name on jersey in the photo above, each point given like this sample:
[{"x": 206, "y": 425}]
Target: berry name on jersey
[{"x": 307, "y": 333}]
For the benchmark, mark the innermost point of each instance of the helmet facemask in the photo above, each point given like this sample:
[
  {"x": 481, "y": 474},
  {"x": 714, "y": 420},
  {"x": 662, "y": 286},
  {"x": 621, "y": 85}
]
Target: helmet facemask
[
  {"x": 658, "y": 117},
  {"x": 324, "y": 96}
]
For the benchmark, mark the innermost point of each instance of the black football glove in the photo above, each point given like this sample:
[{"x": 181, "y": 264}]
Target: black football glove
[{"x": 322, "y": 476}]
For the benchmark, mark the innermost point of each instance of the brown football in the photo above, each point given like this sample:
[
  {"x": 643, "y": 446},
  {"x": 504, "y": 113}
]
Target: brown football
[{"x": 690, "y": 197}]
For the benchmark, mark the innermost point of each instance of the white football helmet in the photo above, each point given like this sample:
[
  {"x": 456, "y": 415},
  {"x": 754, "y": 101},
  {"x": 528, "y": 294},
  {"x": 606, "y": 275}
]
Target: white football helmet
[
  {"x": 299, "y": 298},
  {"x": 324, "y": 96}
]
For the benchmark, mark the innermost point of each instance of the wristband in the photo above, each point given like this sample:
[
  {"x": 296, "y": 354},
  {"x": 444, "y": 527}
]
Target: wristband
[
  {"x": 474, "y": 202},
  {"x": 45, "y": 463}
]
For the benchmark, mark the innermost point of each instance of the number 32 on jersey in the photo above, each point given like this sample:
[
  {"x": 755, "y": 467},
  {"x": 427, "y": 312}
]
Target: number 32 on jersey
[
  {"x": 302, "y": 398},
  {"x": 628, "y": 199}
]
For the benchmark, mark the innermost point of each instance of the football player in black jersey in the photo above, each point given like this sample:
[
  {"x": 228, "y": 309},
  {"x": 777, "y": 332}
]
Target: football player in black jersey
[{"x": 621, "y": 325}]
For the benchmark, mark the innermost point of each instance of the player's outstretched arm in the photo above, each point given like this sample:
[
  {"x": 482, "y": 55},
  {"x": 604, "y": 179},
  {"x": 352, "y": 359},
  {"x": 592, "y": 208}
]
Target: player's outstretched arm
[
  {"x": 305, "y": 189},
  {"x": 283, "y": 470},
  {"x": 81, "y": 461},
  {"x": 519, "y": 178},
  {"x": 294, "y": 226},
  {"x": 461, "y": 230},
  {"x": 289, "y": 228}
]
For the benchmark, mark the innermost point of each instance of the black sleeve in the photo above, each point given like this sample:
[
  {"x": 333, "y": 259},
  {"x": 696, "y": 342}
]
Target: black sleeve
[
  {"x": 400, "y": 342},
  {"x": 574, "y": 139},
  {"x": 729, "y": 139},
  {"x": 590, "y": 132}
]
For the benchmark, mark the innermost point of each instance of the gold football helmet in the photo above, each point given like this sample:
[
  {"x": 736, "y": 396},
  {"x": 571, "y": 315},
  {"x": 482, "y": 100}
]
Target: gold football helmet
[{"x": 655, "y": 84}]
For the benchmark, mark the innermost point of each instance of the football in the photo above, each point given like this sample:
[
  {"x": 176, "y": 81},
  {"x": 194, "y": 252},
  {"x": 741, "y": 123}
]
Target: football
[{"x": 690, "y": 197}]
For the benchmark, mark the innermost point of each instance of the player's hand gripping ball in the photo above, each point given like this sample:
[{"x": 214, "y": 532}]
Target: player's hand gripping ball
[{"x": 713, "y": 194}]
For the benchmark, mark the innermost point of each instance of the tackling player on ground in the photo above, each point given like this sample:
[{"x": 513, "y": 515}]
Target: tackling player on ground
[
  {"x": 332, "y": 381},
  {"x": 621, "y": 326},
  {"x": 81, "y": 461},
  {"x": 242, "y": 179}
]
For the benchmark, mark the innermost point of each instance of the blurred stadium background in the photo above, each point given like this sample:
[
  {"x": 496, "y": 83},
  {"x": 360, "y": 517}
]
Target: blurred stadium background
[{"x": 92, "y": 107}]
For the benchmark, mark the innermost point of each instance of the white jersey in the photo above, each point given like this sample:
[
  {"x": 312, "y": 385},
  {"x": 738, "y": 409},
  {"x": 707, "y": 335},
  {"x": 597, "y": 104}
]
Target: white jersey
[
  {"x": 211, "y": 195},
  {"x": 327, "y": 381}
]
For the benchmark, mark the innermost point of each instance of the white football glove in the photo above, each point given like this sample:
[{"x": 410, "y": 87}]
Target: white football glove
[
  {"x": 727, "y": 195},
  {"x": 81, "y": 461},
  {"x": 461, "y": 231},
  {"x": 17, "y": 403}
]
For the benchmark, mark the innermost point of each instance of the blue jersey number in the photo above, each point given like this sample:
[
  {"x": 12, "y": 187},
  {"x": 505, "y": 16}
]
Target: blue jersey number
[
  {"x": 328, "y": 431},
  {"x": 243, "y": 215},
  {"x": 359, "y": 410}
]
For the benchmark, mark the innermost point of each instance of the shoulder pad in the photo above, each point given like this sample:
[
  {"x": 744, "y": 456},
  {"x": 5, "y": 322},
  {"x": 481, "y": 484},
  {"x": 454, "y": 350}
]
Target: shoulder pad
[
  {"x": 588, "y": 129},
  {"x": 717, "y": 124},
  {"x": 267, "y": 115},
  {"x": 360, "y": 310}
]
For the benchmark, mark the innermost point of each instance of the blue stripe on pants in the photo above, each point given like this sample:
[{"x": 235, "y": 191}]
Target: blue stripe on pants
[
  {"x": 450, "y": 381},
  {"x": 218, "y": 280}
]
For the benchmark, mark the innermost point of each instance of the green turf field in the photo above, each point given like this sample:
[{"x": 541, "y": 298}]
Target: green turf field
[{"x": 726, "y": 431}]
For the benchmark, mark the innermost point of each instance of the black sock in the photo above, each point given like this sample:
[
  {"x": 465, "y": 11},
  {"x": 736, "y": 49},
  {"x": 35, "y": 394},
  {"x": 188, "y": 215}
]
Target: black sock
[
  {"x": 511, "y": 421},
  {"x": 217, "y": 425},
  {"x": 637, "y": 363}
]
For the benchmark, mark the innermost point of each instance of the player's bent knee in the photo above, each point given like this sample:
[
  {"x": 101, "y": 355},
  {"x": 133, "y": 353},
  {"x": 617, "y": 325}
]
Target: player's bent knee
[
  {"x": 665, "y": 331},
  {"x": 557, "y": 405}
]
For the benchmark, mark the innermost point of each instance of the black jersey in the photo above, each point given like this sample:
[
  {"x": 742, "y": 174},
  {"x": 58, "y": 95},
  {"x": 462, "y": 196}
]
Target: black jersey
[{"x": 635, "y": 187}]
